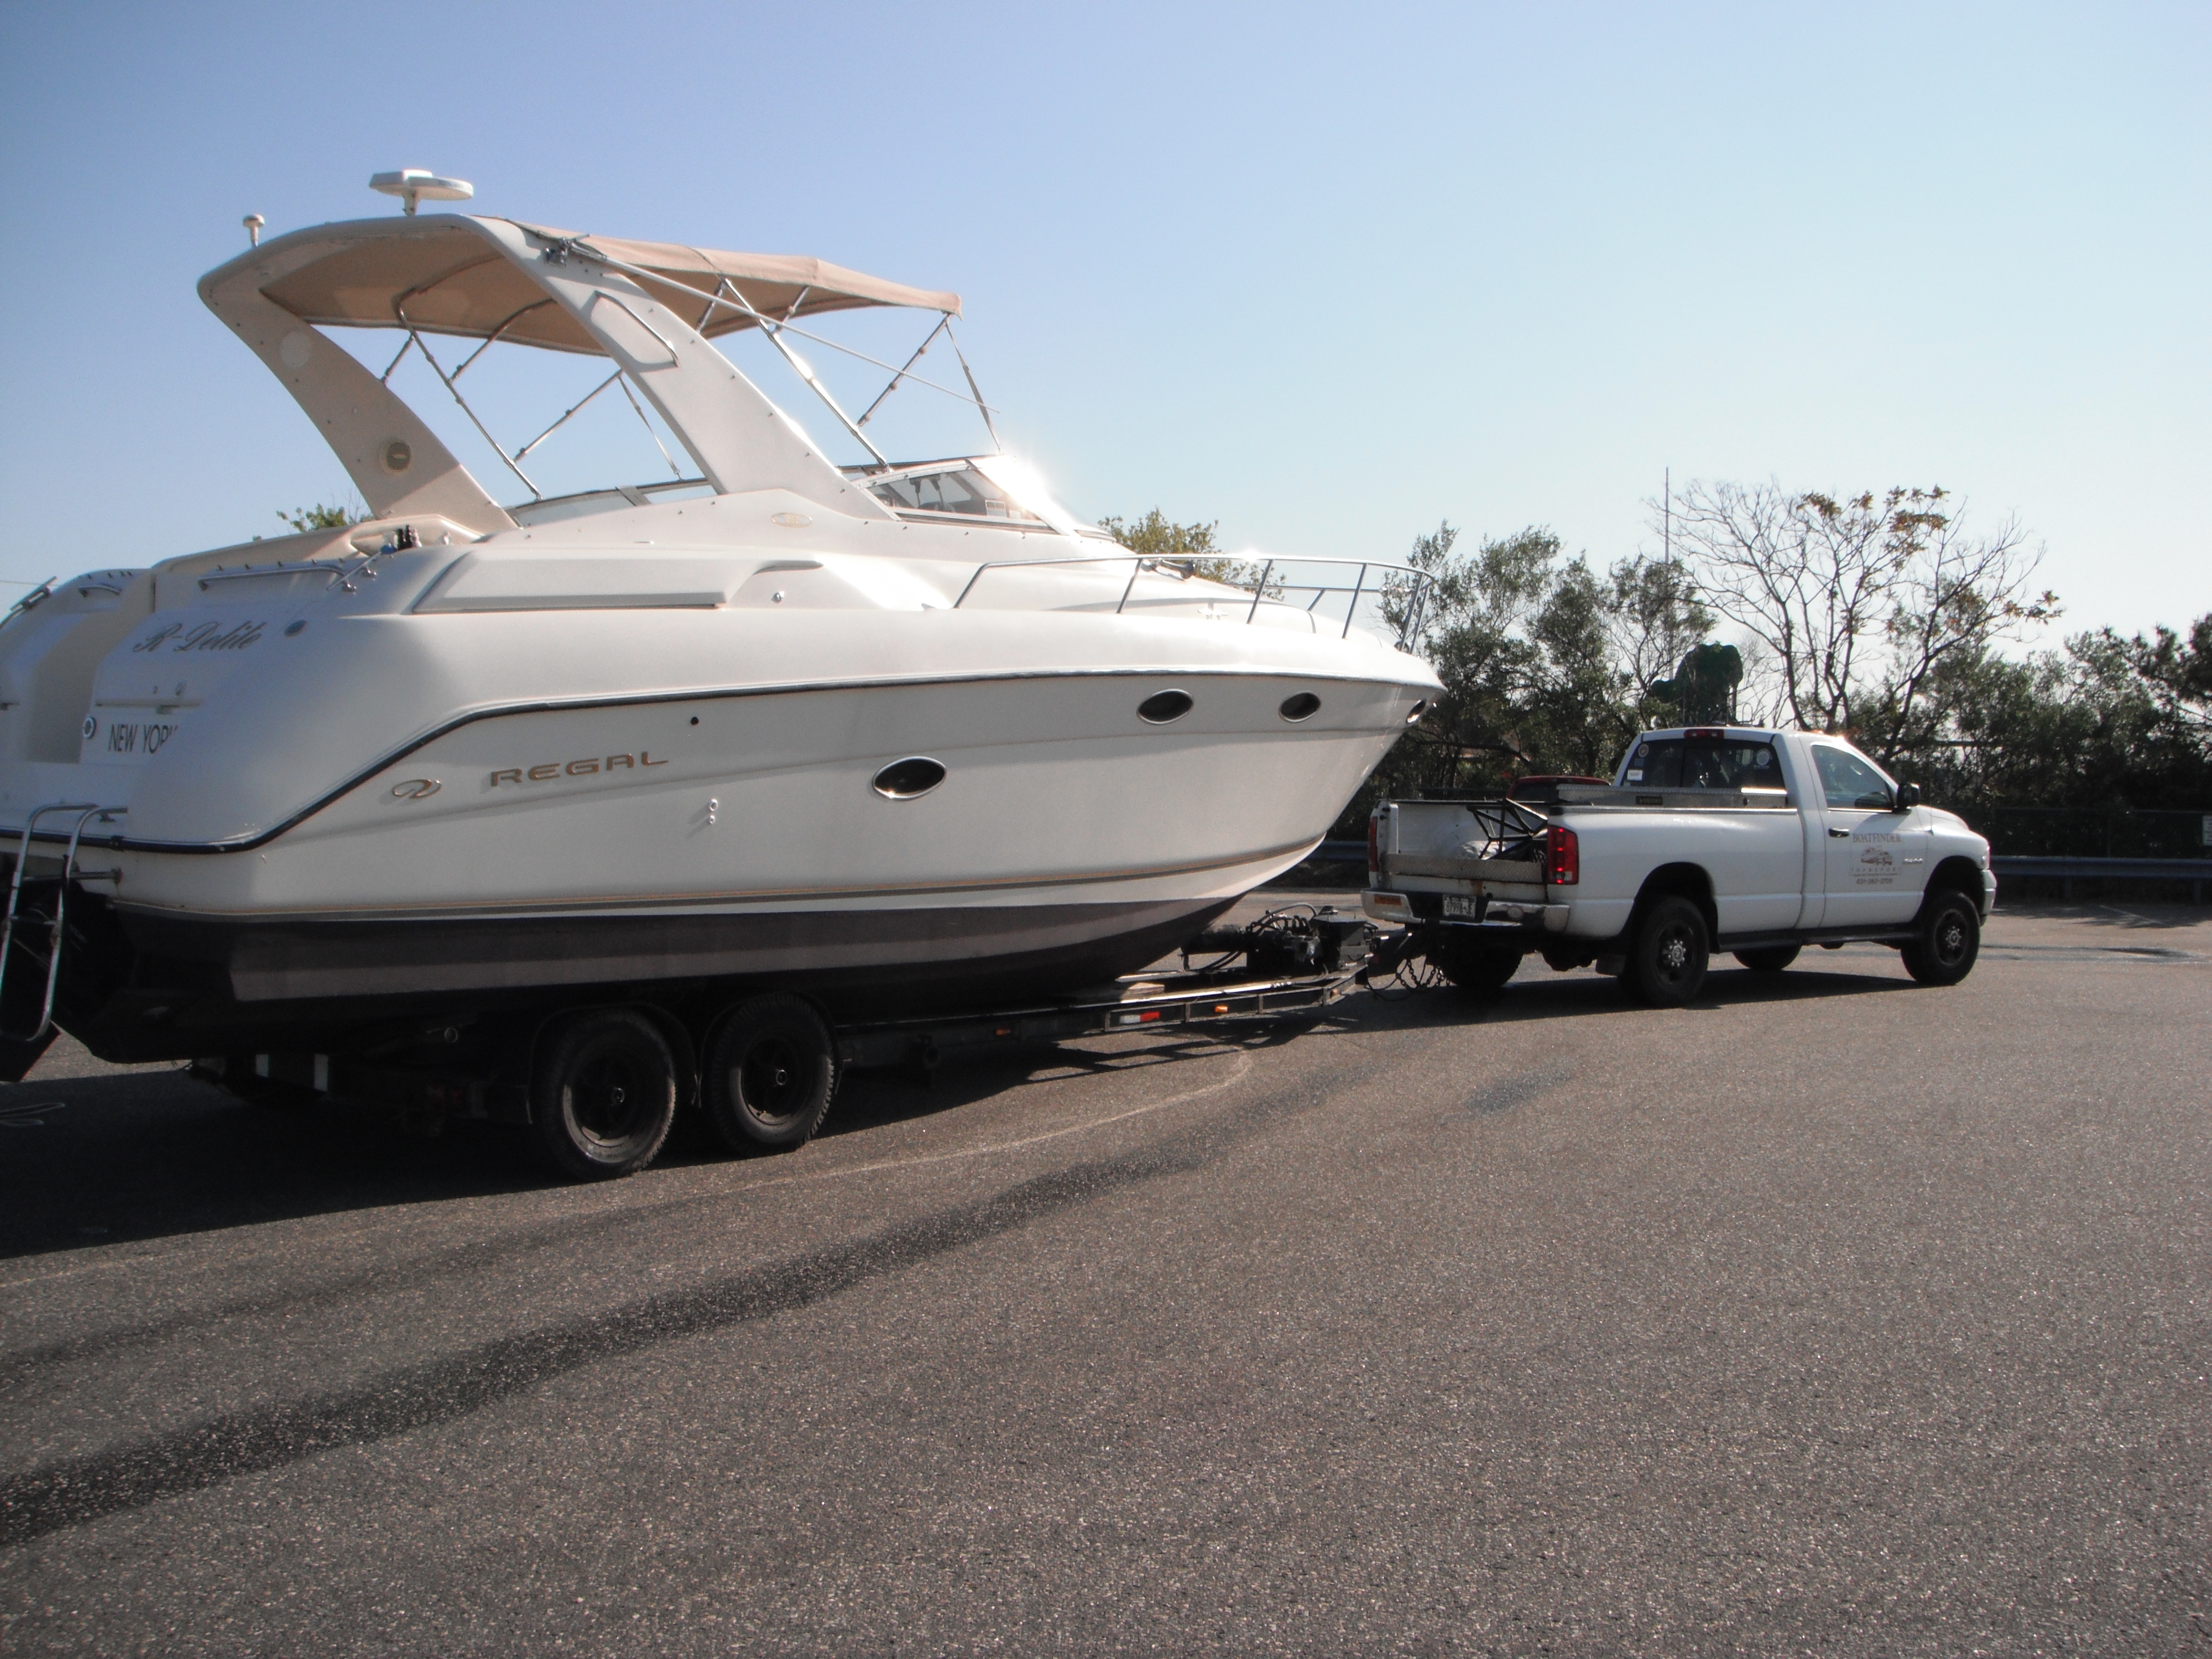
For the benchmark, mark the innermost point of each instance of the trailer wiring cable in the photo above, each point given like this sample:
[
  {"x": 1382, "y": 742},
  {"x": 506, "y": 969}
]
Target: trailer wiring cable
[{"x": 1408, "y": 980}]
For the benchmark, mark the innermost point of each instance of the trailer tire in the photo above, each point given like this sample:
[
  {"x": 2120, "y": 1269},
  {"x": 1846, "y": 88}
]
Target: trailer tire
[
  {"x": 603, "y": 1094},
  {"x": 1667, "y": 959},
  {"x": 1949, "y": 939},
  {"x": 771, "y": 1075},
  {"x": 1476, "y": 971},
  {"x": 1769, "y": 958}
]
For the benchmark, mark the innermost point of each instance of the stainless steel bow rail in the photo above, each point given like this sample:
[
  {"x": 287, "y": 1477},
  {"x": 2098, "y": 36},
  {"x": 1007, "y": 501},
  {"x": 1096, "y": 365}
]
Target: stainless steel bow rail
[
  {"x": 1410, "y": 588},
  {"x": 85, "y": 813}
]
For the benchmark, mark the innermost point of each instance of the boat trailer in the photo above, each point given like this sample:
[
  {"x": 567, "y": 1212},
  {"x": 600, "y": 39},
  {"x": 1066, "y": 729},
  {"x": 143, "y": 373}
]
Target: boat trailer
[{"x": 1293, "y": 960}]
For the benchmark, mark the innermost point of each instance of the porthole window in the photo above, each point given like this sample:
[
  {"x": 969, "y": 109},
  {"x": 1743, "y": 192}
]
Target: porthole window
[
  {"x": 1164, "y": 706},
  {"x": 1420, "y": 707},
  {"x": 1299, "y": 707},
  {"x": 902, "y": 779}
]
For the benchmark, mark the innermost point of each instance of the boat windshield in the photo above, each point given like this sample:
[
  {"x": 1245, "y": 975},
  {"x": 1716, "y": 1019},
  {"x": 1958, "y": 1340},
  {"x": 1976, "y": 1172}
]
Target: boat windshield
[{"x": 954, "y": 489}]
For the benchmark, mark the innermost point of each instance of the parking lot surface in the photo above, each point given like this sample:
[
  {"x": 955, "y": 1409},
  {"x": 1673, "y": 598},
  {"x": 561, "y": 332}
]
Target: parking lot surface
[{"x": 1831, "y": 1313}]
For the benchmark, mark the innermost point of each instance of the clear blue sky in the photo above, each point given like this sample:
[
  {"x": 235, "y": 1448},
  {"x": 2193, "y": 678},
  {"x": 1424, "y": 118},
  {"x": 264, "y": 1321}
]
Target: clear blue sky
[{"x": 1326, "y": 276}]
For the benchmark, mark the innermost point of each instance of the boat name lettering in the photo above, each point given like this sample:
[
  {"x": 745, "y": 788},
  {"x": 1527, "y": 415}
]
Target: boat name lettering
[
  {"x": 207, "y": 636},
  {"x": 574, "y": 769}
]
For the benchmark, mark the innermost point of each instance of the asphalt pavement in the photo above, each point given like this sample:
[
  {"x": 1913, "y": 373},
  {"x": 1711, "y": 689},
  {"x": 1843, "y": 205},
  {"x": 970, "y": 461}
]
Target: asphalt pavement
[{"x": 1831, "y": 1315}]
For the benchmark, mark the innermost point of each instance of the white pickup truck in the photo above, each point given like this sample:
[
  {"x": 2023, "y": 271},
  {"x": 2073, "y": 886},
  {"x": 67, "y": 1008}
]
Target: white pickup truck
[{"x": 1708, "y": 838}]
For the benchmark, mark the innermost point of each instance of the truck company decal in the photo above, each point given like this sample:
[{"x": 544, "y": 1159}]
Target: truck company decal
[
  {"x": 574, "y": 769},
  {"x": 1876, "y": 867}
]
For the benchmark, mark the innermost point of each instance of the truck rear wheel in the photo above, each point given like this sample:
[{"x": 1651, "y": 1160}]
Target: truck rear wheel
[
  {"x": 1949, "y": 939},
  {"x": 1768, "y": 958},
  {"x": 1477, "y": 970},
  {"x": 771, "y": 1075},
  {"x": 1666, "y": 961},
  {"x": 603, "y": 1094}
]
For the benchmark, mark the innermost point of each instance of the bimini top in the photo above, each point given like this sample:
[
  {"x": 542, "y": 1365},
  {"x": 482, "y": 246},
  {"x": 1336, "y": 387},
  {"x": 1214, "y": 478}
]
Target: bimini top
[
  {"x": 653, "y": 307},
  {"x": 439, "y": 275}
]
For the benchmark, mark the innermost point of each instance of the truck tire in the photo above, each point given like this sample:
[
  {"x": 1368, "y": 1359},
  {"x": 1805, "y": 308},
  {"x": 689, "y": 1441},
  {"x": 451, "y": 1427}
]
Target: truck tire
[
  {"x": 1477, "y": 971},
  {"x": 1944, "y": 951},
  {"x": 603, "y": 1094},
  {"x": 1769, "y": 958},
  {"x": 1667, "y": 959},
  {"x": 771, "y": 1075}
]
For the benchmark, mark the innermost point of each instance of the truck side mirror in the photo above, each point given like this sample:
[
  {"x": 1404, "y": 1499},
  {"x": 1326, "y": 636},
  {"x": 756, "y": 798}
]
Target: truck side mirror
[{"x": 1908, "y": 797}]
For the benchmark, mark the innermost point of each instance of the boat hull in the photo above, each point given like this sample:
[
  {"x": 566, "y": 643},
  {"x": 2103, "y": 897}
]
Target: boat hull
[{"x": 744, "y": 845}]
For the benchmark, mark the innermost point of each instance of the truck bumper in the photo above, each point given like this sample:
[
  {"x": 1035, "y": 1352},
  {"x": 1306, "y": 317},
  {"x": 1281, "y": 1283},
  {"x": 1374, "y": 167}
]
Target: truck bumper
[{"x": 1498, "y": 916}]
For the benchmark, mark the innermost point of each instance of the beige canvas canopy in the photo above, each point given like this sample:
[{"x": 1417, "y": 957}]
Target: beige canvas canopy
[{"x": 440, "y": 275}]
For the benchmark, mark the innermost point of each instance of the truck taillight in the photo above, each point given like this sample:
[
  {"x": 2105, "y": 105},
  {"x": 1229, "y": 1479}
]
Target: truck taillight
[
  {"x": 1374, "y": 845},
  {"x": 1562, "y": 856}
]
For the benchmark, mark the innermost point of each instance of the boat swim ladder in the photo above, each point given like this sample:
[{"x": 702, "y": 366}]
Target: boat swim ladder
[{"x": 85, "y": 813}]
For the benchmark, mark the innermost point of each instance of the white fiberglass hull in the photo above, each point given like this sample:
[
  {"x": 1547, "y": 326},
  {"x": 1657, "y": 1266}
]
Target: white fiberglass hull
[{"x": 741, "y": 835}]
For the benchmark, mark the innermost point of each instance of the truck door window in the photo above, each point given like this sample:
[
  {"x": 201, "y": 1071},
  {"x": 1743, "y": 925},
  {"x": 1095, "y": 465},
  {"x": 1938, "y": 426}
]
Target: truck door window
[{"x": 1847, "y": 781}]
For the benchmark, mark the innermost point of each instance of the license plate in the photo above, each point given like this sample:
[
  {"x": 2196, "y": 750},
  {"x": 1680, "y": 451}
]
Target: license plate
[{"x": 1469, "y": 909}]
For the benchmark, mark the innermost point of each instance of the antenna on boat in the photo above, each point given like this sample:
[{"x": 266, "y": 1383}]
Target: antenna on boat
[
  {"x": 413, "y": 183},
  {"x": 253, "y": 221}
]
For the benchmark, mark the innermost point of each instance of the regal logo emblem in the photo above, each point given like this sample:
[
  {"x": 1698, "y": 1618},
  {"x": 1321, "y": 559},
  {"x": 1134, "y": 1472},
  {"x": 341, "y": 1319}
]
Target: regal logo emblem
[
  {"x": 415, "y": 789},
  {"x": 586, "y": 767}
]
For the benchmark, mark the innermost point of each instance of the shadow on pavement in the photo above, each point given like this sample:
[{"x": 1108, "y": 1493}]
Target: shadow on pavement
[
  {"x": 104, "y": 1160},
  {"x": 98, "y": 1160}
]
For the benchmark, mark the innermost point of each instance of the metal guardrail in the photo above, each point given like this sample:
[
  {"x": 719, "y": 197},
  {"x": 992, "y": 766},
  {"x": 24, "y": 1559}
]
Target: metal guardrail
[{"x": 2068, "y": 871}]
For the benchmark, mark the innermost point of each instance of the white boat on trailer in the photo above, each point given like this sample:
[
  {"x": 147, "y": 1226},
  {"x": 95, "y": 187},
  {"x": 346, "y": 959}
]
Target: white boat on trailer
[{"x": 652, "y": 778}]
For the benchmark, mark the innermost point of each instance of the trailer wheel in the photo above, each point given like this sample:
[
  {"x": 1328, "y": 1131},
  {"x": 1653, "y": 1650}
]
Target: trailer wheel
[
  {"x": 1667, "y": 962},
  {"x": 1949, "y": 939},
  {"x": 1476, "y": 971},
  {"x": 1769, "y": 958},
  {"x": 771, "y": 1075},
  {"x": 603, "y": 1095}
]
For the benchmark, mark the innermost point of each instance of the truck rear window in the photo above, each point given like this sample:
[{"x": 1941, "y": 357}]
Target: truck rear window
[{"x": 1702, "y": 764}]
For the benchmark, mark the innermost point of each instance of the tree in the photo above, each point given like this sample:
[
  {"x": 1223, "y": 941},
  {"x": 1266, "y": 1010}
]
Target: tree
[
  {"x": 1157, "y": 537},
  {"x": 1192, "y": 546},
  {"x": 1522, "y": 639},
  {"x": 1653, "y": 618},
  {"x": 320, "y": 517},
  {"x": 1859, "y": 602}
]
